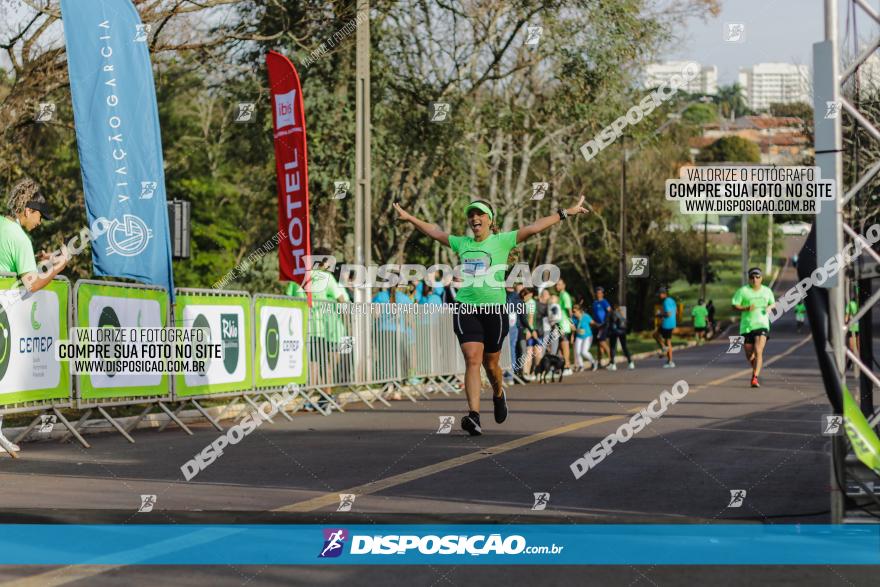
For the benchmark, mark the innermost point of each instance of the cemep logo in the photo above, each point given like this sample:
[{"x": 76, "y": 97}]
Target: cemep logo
[
  {"x": 273, "y": 341},
  {"x": 334, "y": 542},
  {"x": 5, "y": 342}
]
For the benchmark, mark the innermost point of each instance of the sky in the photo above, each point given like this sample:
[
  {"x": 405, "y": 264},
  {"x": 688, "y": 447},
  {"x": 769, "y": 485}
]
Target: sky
[{"x": 775, "y": 30}]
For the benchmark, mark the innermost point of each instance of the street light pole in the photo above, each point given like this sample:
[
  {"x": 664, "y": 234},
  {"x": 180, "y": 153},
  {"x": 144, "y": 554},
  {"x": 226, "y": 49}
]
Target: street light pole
[
  {"x": 621, "y": 283},
  {"x": 363, "y": 203}
]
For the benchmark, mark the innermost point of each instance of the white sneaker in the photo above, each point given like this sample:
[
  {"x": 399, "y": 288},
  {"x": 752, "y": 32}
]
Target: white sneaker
[
  {"x": 595, "y": 367},
  {"x": 669, "y": 365},
  {"x": 566, "y": 372},
  {"x": 611, "y": 367},
  {"x": 631, "y": 365}
]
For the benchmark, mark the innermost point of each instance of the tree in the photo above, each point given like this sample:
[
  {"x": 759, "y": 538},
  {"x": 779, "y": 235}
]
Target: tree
[
  {"x": 699, "y": 114},
  {"x": 731, "y": 149},
  {"x": 800, "y": 110},
  {"x": 731, "y": 101}
]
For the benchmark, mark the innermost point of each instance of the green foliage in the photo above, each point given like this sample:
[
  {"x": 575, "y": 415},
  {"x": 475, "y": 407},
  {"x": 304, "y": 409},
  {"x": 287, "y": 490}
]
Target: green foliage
[
  {"x": 698, "y": 114},
  {"x": 800, "y": 110},
  {"x": 731, "y": 149}
]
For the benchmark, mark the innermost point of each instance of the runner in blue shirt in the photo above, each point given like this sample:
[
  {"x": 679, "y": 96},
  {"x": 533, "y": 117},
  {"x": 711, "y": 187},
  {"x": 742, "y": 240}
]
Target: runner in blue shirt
[
  {"x": 600, "y": 317},
  {"x": 663, "y": 335}
]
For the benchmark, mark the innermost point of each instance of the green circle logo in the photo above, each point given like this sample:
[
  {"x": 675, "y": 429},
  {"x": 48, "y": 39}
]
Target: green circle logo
[
  {"x": 273, "y": 337},
  {"x": 5, "y": 343},
  {"x": 202, "y": 322},
  {"x": 108, "y": 319}
]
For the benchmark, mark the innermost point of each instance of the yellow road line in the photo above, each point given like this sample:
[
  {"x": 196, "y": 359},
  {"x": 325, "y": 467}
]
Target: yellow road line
[
  {"x": 395, "y": 480},
  {"x": 70, "y": 573},
  {"x": 741, "y": 372}
]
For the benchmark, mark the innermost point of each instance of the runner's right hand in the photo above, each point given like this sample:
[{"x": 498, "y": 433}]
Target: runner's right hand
[{"x": 401, "y": 213}]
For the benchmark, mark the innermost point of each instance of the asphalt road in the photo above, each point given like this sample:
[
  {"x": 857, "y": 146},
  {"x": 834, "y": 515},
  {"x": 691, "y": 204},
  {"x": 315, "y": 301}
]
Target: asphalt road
[{"x": 681, "y": 468}]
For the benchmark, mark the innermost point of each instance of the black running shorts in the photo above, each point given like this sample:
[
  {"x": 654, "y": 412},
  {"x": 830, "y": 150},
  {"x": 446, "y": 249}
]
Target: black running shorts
[
  {"x": 749, "y": 337},
  {"x": 486, "y": 324}
]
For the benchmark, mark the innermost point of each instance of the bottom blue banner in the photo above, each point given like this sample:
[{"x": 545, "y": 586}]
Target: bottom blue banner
[{"x": 148, "y": 544}]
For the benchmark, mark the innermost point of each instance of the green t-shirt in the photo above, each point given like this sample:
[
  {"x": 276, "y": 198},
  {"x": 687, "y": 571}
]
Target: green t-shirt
[
  {"x": 16, "y": 250},
  {"x": 699, "y": 314},
  {"x": 324, "y": 320},
  {"x": 295, "y": 290},
  {"x": 852, "y": 308},
  {"x": 757, "y": 318},
  {"x": 476, "y": 259},
  {"x": 800, "y": 311},
  {"x": 565, "y": 306}
]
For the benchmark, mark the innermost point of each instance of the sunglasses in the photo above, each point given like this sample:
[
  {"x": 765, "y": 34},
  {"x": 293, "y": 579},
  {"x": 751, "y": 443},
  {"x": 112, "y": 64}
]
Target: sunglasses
[{"x": 754, "y": 277}]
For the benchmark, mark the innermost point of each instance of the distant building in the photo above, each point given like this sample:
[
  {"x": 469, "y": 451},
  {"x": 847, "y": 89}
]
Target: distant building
[
  {"x": 781, "y": 139},
  {"x": 771, "y": 83},
  {"x": 657, "y": 74}
]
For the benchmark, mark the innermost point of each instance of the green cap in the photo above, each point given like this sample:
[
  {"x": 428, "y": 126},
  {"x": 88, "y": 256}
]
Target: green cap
[{"x": 481, "y": 206}]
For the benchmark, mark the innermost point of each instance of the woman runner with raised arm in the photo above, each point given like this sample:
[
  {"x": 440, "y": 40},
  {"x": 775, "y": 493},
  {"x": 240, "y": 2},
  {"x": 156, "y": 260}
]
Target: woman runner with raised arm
[{"x": 479, "y": 321}]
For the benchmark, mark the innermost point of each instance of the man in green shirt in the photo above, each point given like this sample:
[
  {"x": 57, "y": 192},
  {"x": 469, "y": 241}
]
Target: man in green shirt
[
  {"x": 26, "y": 209},
  {"x": 700, "y": 315},
  {"x": 800, "y": 314},
  {"x": 565, "y": 325},
  {"x": 326, "y": 327},
  {"x": 754, "y": 301}
]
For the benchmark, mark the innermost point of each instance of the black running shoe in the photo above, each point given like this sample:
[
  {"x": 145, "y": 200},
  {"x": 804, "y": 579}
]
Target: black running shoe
[
  {"x": 500, "y": 407},
  {"x": 471, "y": 426}
]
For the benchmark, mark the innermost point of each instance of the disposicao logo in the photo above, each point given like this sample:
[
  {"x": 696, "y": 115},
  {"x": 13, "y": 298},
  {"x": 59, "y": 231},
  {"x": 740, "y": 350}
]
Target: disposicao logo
[
  {"x": 335, "y": 538},
  {"x": 334, "y": 542}
]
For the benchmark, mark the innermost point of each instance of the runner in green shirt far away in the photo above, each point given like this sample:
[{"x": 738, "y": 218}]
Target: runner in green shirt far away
[
  {"x": 800, "y": 313},
  {"x": 754, "y": 301},
  {"x": 479, "y": 321},
  {"x": 700, "y": 315}
]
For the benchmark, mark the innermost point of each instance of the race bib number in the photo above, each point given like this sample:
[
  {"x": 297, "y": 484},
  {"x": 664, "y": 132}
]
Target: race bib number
[{"x": 479, "y": 266}]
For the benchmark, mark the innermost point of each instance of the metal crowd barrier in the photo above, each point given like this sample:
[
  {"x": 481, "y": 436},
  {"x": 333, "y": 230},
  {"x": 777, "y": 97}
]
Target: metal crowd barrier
[{"x": 353, "y": 351}]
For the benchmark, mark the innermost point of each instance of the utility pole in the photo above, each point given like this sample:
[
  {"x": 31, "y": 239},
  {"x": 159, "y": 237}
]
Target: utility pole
[
  {"x": 704, "y": 270},
  {"x": 621, "y": 283},
  {"x": 744, "y": 241},
  {"x": 363, "y": 176}
]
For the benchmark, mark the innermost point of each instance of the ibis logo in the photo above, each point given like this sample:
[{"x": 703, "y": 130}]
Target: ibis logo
[{"x": 284, "y": 108}]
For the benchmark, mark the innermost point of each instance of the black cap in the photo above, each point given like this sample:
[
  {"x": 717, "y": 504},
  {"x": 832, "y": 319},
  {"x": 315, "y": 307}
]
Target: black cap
[
  {"x": 600, "y": 288},
  {"x": 662, "y": 290},
  {"x": 754, "y": 271},
  {"x": 39, "y": 203}
]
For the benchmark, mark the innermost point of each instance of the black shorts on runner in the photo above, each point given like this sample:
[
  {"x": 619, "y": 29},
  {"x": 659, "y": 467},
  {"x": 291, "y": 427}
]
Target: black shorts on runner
[
  {"x": 700, "y": 329},
  {"x": 749, "y": 337},
  {"x": 486, "y": 324},
  {"x": 666, "y": 333},
  {"x": 601, "y": 333}
]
